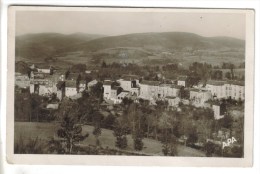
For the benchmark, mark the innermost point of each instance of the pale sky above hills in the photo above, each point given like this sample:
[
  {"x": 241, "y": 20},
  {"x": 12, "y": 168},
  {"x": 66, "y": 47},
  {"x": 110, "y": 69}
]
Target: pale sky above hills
[{"x": 119, "y": 23}]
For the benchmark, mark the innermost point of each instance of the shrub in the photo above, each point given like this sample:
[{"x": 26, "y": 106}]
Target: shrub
[{"x": 33, "y": 146}]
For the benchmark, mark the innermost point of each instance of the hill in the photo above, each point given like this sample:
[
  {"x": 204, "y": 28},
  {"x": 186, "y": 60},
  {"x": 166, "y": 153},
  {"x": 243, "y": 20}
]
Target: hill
[
  {"x": 143, "y": 48},
  {"x": 161, "y": 41},
  {"x": 45, "y": 45}
]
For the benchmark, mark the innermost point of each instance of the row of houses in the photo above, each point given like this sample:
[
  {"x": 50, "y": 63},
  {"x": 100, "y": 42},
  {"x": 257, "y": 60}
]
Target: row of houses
[
  {"x": 199, "y": 96},
  {"x": 45, "y": 82}
]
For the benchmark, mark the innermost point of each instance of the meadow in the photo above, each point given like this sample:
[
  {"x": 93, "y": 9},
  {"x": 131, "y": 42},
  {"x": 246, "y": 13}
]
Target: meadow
[{"x": 46, "y": 131}]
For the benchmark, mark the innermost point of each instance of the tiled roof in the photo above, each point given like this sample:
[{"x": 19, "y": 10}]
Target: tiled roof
[
  {"x": 151, "y": 83},
  {"x": 182, "y": 78},
  {"x": 165, "y": 85},
  {"x": 194, "y": 89},
  {"x": 170, "y": 97},
  {"x": 177, "y": 86},
  {"x": 213, "y": 102},
  {"x": 42, "y": 66},
  {"x": 71, "y": 84},
  {"x": 198, "y": 90},
  {"x": 235, "y": 82},
  {"x": 107, "y": 82},
  {"x": 215, "y": 82},
  {"x": 82, "y": 81},
  {"x": 130, "y": 77}
]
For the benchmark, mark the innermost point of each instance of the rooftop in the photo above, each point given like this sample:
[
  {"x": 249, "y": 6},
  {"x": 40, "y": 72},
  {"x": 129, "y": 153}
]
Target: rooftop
[
  {"x": 109, "y": 83},
  {"x": 182, "y": 78},
  {"x": 71, "y": 84},
  {"x": 198, "y": 90},
  {"x": 165, "y": 85},
  {"x": 130, "y": 77},
  {"x": 215, "y": 82},
  {"x": 214, "y": 102},
  {"x": 43, "y": 66},
  {"x": 235, "y": 82},
  {"x": 170, "y": 97},
  {"x": 176, "y": 86},
  {"x": 93, "y": 81}
]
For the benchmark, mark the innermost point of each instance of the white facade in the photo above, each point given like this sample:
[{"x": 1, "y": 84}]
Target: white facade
[
  {"x": 168, "y": 90},
  {"x": 82, "y": 87},
  {"x": 199, "y": 97},
  {"x": 45, "y": 90},
  {"x": 173, "y": 101},
  {"x": 129, "y": 85},
  {"x": 46, "y": 71},
  {"x": 227, "y": 90},
  {"x": 119, "y": 98},
  {"x": 236, "y": 92},
  {"x": 157, "y": 91},
  {"x": 70, "y": 91},
  {"x": 107, "y": 91},
  {"x": 149, "y": 91},
  {"x": 22, "y": 81},
  {"x": 216, "y": 109},
  {"x": 181, "y": 83},
  {"x": 217, "y": 91},
  {"x": 42, "y": 87}
]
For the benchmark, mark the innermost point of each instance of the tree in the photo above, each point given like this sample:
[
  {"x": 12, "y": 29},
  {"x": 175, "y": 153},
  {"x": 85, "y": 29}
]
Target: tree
[
  {"x": 67, "y": 74},
  {"x": 121, "y": 129},
  {"x": 138, "y": 143},
  {"x": 97, "y": 91},
  {"x": 217, "y": 75},
  {"x": 79, "y": 68},
  {"x": 120, "y": 133},
  {"x": 170, "y": 145},
  {"x": 103, "y": 65},
  {"x": 136, "y": 119},
  {"x": 184, "y": 94},
  {"x": 209, "y": 148},
  {"x": 71, "y": 133},
  {"x": 97, "y": 117},
  {"x": 228, "y": 75},
  {"x": 226, "y": 121}
]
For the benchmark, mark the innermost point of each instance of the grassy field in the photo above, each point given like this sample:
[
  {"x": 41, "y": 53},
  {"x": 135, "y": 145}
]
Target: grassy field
[{"x": 45, "y": 131}]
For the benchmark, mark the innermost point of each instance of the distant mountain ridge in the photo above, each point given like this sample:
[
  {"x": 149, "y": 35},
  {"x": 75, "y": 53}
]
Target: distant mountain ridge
[
  {"x": 166, "y": 40},
  {"x": 45, "y": 45}
]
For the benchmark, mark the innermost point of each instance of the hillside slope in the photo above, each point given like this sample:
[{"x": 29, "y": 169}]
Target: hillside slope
[
  {"x": 45, "y": 45},
  {"x": 144, "y": 48}
]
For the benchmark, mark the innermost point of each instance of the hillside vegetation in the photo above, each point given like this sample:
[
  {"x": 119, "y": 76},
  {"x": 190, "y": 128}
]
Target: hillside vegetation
[{"x": 144, "y": 48}]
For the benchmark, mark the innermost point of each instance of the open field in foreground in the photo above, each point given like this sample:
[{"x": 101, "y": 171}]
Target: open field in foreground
[{"x": 45, "y": 131}]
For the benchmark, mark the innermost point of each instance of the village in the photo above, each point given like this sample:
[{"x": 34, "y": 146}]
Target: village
[
  {"x": 213, "y": 95},
  {"x": 45, "y": 82}
]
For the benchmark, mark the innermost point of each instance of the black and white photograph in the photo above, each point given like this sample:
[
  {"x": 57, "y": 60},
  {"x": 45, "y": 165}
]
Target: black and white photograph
[{"x": 130, "y": 82}]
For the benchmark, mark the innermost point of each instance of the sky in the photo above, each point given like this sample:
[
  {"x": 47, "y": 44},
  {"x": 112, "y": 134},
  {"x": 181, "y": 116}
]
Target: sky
[{"x": 119, "y": 23}]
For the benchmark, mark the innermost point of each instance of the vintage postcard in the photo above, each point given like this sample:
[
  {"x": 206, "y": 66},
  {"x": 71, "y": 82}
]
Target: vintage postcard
[{"x": 130, "y": 86}]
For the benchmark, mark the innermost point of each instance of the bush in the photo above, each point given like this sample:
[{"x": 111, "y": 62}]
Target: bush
[
  {"x": 121, "y": 140},
  {"x": 33, "y": 146},
  {"x": 138, "y": 143},
  {"x": 209, "y": 148}
]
